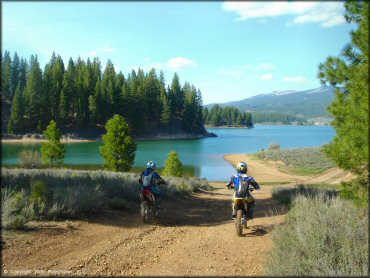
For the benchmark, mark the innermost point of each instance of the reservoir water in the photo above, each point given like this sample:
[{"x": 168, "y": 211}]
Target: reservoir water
[{"x": 203, "y": 156}]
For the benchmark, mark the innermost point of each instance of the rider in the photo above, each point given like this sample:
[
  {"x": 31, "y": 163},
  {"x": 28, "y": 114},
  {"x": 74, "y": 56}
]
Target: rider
[
  {"x": 149, "y": 179},
  {"x": 237, "y": 181}
]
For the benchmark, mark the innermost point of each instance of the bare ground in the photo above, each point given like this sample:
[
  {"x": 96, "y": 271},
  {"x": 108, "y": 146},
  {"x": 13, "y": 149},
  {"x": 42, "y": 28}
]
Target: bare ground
[
  {"x": 193, "y": 236},
  {"x": 268, "y": 171}
]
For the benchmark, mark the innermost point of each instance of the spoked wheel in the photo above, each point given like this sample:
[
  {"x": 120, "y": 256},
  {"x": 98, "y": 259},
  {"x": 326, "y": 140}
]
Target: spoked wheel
[
  {"x": 144, "y": 211},
  {"x": 238, "y": 222}
]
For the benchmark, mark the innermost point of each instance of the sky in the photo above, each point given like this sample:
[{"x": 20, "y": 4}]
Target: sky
[{"x": 229, "y": 50}]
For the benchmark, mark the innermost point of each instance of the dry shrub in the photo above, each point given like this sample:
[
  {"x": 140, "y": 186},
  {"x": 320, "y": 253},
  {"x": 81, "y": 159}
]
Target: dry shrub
[
  {"x": 322, "y": 236},
  {"x": 29, "y": 159}
]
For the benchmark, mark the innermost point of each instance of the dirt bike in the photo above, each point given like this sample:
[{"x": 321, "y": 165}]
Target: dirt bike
[
  {"x": 240, "y": 207},
  {"x": 148, "y": 203}
]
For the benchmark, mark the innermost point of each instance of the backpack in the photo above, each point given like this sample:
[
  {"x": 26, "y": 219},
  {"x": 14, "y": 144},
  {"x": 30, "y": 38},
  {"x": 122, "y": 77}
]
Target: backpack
[
  {"x": 241, "y": 185},
  {"x": 147, "y": 180}
]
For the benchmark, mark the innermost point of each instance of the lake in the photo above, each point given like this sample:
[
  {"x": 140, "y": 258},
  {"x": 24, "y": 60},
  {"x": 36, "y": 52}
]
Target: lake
[{"x": 202, "y": 157}]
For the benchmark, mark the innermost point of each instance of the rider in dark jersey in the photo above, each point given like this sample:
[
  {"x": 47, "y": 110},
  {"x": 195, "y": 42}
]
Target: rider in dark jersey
[{"x": 240, "y": 181}]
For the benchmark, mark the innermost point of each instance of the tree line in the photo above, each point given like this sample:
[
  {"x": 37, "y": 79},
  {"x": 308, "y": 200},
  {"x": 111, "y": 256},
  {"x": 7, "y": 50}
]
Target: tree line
[
  {"x": 272, "y": 117},
  {"x": 83, "y": 96},
  {"x": 226, "y": 116}
]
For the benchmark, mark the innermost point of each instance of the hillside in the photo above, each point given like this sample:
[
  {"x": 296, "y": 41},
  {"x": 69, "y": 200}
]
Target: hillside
[{"x": 306, "y": 104}]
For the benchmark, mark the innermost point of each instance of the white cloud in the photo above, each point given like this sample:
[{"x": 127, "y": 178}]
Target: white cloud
[
  {"x": 267, "y": 76},
  {"x": 176, "y": 63},
  {"x": 295, "y": 79},
  {"x": 326, "y": 14},
  {"x": 109, "y": 49},
  {"x": 238, "y": 71},
  {"x": 92, "y": 53},
  {"x": 180, "y": 62},
  {"x": 264, "y": 66},
  {"x": 146, "y": 59}
]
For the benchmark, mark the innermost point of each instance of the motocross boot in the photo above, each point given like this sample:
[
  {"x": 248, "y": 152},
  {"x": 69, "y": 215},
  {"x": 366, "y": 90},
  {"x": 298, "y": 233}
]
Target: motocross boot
[
  {"x": 250, "y": 210},
  {"x": 233, "y": 216}
]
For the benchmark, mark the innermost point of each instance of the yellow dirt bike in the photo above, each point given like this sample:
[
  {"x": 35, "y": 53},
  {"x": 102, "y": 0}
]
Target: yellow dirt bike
[{"x": 240, "y": 207}]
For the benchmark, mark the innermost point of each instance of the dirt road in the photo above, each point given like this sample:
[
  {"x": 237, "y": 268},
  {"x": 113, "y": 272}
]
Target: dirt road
[
  {"x": 268, "y": 171},
  {"x": 193, "y": 236}
]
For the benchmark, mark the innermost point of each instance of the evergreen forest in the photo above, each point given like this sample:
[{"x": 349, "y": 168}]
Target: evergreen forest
[
  {"x": 226, "y": 116},
  {"x": 81, "y": 96}
]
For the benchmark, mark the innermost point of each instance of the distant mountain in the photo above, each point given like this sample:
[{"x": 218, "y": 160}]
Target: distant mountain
[{"x": 304, "y": 104}]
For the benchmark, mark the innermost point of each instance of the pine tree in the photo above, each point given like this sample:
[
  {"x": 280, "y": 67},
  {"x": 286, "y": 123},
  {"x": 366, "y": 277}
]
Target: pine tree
[
  {"x": 350, "y": 76},
  {"x": 190, "y": 108},
  {"x": 176, "y": 97},
  {"x": 166, "y": 111},
  {"x": 6, "y": 73},
  {"x": 173, "y": 165},
  {"x": 111, "y": 93},
  {"x": 15, "y": 124},
  {"x": 66, "y": 97},
  {"x": 53, "y": 85},
  {"x": 15, "y": 74},
  {"x": 119, "y": 148},
  {"x": 34, "y": 101},
  {"x": 79, "y": 95},
  {"x": 199, "y": 119},
  {"x": 23, "y": 74},
  {"x": 52, "y": 150},
  {"x": 95, "y": 105},
  {"x": 349, "y": 73}
]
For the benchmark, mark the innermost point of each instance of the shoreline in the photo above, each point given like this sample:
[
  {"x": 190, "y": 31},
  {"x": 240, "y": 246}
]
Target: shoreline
[{"x": 36, "y": 140}]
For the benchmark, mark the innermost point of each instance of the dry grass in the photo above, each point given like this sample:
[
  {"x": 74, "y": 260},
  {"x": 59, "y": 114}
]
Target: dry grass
[
  {"x": 58, "y": 193},
  {"x": 323, "y": 236}
]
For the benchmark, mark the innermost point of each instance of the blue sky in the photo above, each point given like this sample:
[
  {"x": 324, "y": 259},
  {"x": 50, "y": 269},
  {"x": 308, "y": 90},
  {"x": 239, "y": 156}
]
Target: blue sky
[{"x": 229, "y": 50}]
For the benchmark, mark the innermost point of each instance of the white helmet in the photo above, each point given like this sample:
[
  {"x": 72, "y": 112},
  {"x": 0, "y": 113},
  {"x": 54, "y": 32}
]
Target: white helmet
[
  {"x": 242, "y": 167},
  {"x": 151, "y": 165}
]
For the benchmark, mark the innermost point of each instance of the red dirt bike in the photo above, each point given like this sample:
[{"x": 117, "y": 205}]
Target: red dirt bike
[{"x": 148, "y": 204}]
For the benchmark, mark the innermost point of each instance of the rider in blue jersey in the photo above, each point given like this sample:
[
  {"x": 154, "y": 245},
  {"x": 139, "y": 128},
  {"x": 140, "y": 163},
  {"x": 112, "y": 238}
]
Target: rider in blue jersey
[
  {"x": 241, "y": 183},
  {"x": 149, "y": 179}
]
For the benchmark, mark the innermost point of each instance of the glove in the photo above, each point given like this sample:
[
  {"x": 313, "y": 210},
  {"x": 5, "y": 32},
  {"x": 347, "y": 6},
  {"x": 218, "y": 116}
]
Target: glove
[{"x": 258, "y": 189}]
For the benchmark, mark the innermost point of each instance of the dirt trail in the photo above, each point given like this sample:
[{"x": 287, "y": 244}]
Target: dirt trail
[
  {"x": 193, "y": 236},
  {"x": 268, "y": 171}
]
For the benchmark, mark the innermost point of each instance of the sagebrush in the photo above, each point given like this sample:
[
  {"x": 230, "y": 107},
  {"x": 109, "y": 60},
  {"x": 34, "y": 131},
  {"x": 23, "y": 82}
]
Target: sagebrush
[
  {"x": 55, "y": 193},
  {"x": 323, "y": 235},
  {"x": 306, "y": 158}
]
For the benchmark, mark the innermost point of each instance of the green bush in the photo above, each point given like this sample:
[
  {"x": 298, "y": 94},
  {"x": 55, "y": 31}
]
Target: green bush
[
  {"x": 322, "y": 236},
  {"x": 15, "y": 211},
  {"x": 173, "y": 165},
  {"x": 357, "y": 191}
]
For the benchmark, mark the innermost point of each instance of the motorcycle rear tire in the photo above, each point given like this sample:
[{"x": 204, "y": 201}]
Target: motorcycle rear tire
[
  {"x": 238, "y": 222},
  {"x": 144, "y": 211}
]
